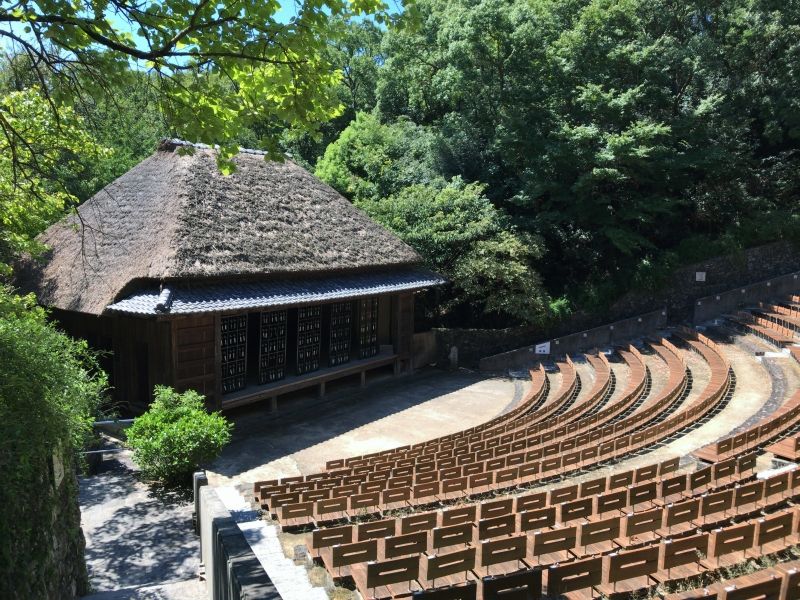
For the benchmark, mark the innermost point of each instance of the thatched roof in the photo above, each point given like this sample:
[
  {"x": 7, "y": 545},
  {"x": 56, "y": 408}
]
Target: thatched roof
[{"x": 175, "y": 217}]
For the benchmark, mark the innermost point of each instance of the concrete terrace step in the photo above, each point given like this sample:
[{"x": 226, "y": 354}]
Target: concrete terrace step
[{"x": 289, "y": 579}]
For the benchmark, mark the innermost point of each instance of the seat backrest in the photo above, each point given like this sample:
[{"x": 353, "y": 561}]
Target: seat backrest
[{"x": 523, "y": 585}]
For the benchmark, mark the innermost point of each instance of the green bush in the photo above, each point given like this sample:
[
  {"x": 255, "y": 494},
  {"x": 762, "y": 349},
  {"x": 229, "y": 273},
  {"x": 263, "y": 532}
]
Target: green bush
[
  {"x": 176, "y": 435},
  {"x": 50, "y": 390}
]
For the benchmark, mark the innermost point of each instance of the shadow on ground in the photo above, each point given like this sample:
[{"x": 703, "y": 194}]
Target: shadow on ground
[{"x": 136, "y": 535}]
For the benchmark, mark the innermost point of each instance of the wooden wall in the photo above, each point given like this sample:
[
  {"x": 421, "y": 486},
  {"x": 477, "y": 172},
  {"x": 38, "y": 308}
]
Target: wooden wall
[
  {"x": 183, "y": 351},
  {"x": 404, "y": 335},
  {"x": 195, "y": 355},
  {"x": 140, "y": 353}
]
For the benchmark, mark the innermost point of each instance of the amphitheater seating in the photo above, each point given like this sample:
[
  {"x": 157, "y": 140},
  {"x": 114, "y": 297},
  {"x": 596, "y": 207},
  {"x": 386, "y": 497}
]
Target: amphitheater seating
[
  {"x": 583, "y": 552},
  {"x": 787, "y": 317},
  {"x": 778, "y": 424},
  {"x": 467, "y": 515},
  {"x": 781, "y": 582},
  {"x": 795, "y": 352},
  {"x": 771, "y": 331},
  {"x": 459, "y": 469}
]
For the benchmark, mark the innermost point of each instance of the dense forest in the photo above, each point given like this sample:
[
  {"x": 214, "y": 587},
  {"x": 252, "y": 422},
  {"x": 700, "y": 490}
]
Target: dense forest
[{"x": 545, "y": 155}]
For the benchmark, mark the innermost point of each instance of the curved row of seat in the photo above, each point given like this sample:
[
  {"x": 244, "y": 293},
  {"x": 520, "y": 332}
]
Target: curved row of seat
[
  {"x": 460, "y": 517},
  {"x": 465, "y": 467},
  {"x": 406, "y": 456},
  {"x": 615, "y": 567},
  {"x": 780, "y": 582},
  {"x": 578, "y": 549},
  {"x": 766, "y": 329},
  {"x": 777, "y": 324},
  {"x": 780, "y": 423},
  {"x": 500, "y": 467}
]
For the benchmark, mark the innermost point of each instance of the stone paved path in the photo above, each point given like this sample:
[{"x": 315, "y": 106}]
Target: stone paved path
[{"x": 140, "y": 544}]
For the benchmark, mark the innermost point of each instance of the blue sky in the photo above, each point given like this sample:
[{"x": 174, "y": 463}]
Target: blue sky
[{"x": 287, "y": 11}]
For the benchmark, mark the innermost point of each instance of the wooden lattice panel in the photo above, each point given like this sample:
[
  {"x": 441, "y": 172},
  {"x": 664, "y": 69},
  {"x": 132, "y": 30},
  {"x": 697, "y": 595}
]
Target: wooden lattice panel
[
  {"x": 341, "y": 333},
  {"x": 272, "y": 358},
  {"x": 309, "y": 328},
  {"x": 233, "y": 339},
  {"x": 368, "y": 327}
]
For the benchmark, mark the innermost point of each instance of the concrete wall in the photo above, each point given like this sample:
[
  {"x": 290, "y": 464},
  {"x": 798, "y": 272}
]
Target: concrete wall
[
  {"x": 712, "y": 306},
  {"x": 232, "y": 570},
  {"x": 605, "y": 335},
  {"x": 474, "y": 344}
]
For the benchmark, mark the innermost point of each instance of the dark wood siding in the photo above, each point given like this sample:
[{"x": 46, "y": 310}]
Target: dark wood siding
[
  {"x": 140, "y": 353},
  {"x": 195, "y": 355},
  {"x": 142, "y": 359},
  {"x": 184, "y": 351},
  {"x": 403, "y": 338}
]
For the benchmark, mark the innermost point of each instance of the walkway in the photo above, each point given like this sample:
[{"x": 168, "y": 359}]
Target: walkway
[{"x": 139, "y": 544}]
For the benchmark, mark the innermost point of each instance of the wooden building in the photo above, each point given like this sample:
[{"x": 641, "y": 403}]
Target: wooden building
[{"x": 243, "y": 287}]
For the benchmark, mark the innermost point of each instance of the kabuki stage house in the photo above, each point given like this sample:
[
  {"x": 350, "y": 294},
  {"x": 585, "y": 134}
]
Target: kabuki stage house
[{"x": 242, "y": 287}]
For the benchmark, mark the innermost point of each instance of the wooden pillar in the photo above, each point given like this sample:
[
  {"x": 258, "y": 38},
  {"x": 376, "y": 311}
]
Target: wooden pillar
[
  {"x": 404, "y": 321},
  {"x": 322, "y": 389},
  {"x": 273, "y": 404},
  {"x": 363, "y": 378},
  {"x": 217, "y": 401}
]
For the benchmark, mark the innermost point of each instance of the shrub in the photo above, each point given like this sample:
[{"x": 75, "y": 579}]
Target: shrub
[
  {"x": 176, "y": 435},
  {"x": 50, "y": 390}
]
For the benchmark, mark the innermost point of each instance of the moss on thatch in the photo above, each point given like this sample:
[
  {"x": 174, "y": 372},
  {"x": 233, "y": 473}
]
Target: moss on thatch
[{"x": 176, "y": 217}]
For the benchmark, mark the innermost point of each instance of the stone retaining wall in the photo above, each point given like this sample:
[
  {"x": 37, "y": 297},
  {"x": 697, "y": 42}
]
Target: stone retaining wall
[{"x": 678, "y": 296}]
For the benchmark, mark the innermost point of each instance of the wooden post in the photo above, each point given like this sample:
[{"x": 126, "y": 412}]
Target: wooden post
[
  {"x": 217, "y": 359},
  {"x": 363, "y": 378},
  {"x": 322, "y": 389},
  {"x": 273, "y": 404}
]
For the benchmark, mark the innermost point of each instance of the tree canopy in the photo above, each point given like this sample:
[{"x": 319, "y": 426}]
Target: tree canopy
[
  {"x": 628, "y": 133},
  {"x": 623, "y": 137},
  {"x": 218, "y": 67},
  {"x": 42, "y": 148}
]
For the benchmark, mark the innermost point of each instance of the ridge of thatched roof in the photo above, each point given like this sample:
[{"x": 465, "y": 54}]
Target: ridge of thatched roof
[{"x": 174, "y": 216}]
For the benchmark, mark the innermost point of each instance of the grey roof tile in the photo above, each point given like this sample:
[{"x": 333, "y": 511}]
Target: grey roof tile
[{"x": 268, "y": 294}]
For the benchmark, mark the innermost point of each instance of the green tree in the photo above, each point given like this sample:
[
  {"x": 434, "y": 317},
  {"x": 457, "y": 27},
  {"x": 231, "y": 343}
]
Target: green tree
[
  {"x": 176, "y": 435},
  {"x": 354, "y": 49},
  {"x": 134, "y": 110},
  {"x": 396, "y": 173},
  {"x": 463, "y": 236},
  {"x": 32, "y": 195},
  {"x": 218, "y": 66},
  {"x": 371, "y": 160},
  {"x": 629, "y": 134},
  {"x": 50, "y": 390}
]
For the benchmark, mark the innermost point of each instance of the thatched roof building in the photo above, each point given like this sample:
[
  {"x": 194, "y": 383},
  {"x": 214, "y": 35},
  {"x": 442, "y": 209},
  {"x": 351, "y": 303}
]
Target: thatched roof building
[{"x": 175, "y": 237}]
